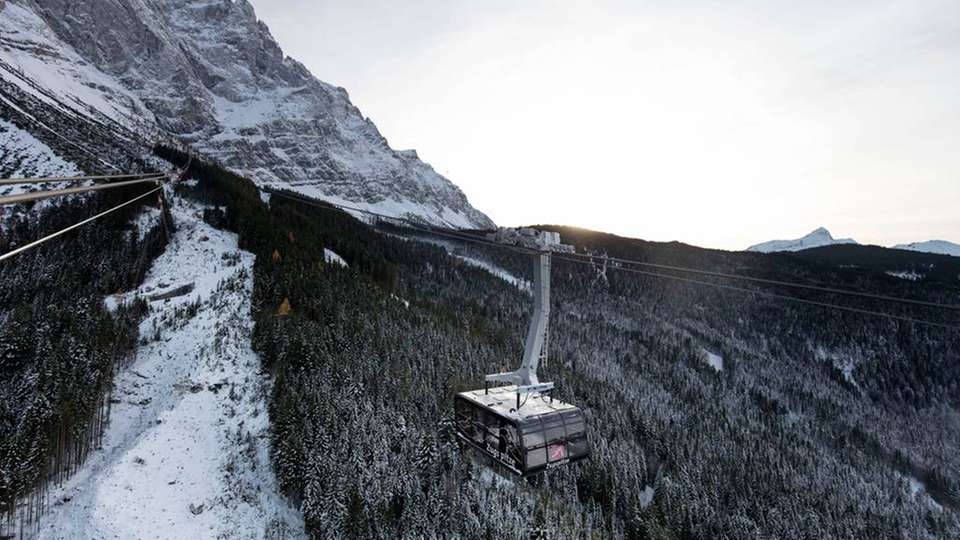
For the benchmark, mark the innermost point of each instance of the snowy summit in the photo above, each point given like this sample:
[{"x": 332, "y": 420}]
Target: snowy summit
[
  {"x": 211, "y": 76},
  {"x": 940, "y": 247},
  {"x": 818, "y": 238}
]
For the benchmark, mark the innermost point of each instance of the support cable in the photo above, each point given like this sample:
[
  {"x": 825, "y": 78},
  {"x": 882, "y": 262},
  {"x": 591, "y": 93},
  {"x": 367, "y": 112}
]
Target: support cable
[
  {"x": 772, "y": 295},
  {"x": 49, "y": 237},
  {"x": 52, "y": 180},
  {"x": 819, "y": 288},
  {"x": 40, "y": 195},
  {"x": 588, "y": 259},
  {"x": 579, "y": 259}
]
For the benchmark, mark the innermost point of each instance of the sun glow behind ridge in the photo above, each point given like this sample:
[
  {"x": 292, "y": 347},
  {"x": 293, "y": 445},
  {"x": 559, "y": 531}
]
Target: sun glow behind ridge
[{"x": 719, "y": 125}]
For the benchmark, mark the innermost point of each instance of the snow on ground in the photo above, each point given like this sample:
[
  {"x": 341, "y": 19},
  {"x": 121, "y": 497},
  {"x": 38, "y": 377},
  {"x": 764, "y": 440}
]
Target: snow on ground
[
  {"x": 918, "y": 490},
  {"x": 714, "y": 360},
  {"x": 940, "y": 247},
  {"x": 845, "y": 366},
  {"x": 186, "y": 451},
  {"x": 37, "y": 55},
  {"x": 521, "y": 284},
  {"x": 23, "y": 155},
  {"x": 907, "y": 275},
  {"x": 452, "y": 249},
  {"x": 399, "y": 208},
  {"x": 145, "y": 221},
  {"x": 332, "y": 257},
  {"x": 491, "y": 479},
  {"x": 646, "y": 496},
  {"x": 843, "y": 363},
  {"x": 259, "y": 108}
]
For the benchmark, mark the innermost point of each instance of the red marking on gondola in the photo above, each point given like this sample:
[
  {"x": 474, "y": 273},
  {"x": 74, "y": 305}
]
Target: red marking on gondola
[{"x": 557, "y": 451}]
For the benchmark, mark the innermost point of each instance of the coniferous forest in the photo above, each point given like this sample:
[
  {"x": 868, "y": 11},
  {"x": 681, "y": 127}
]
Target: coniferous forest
[
  {"x": 231, "y": 359},
  {"x": 815, "y": 427},
  {"x": 59, "y": 345},
  {"x": 818, "y": 424}
]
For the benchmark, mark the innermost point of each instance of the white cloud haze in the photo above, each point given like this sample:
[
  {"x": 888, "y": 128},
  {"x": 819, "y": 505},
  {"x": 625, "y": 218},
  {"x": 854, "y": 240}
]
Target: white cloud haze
[{"x": 718, "y": 123}]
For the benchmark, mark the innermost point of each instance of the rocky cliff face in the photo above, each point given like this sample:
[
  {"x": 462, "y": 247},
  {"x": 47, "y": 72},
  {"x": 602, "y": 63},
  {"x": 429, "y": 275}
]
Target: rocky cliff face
[{"x": 210, "y": 74}]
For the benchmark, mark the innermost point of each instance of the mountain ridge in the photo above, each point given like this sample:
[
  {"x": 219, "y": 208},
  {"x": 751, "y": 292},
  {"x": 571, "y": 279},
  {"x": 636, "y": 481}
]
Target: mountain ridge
[
  {"x": 819, "y": 237},
  {"x": 939, "y": 247},
  {"x": 211, "y": 76}
]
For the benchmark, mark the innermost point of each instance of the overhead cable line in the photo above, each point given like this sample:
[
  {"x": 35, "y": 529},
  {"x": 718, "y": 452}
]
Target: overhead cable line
[
  {"x": 819, "y": 288},
  {"x": 40, "y": 195},
  {"x": 586, "y": 258},
  {"x": 769, "y": 294},
  {"x": 49, "y": 237},
  {"x": 53, "y": 180},
  {"x": 566, "y": 257}
]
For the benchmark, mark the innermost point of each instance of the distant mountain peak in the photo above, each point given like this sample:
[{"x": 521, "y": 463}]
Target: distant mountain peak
[
  {"x": 940, "y": 247},
  {"x": 817, "y": 238}
]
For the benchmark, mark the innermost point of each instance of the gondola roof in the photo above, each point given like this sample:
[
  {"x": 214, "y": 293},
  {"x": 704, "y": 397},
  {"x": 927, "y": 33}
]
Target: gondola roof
[{"x": 503, "y": 401}]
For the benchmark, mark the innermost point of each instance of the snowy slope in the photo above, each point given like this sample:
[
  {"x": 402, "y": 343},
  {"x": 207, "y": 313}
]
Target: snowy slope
[
  {"x": 333, "y": 257},
  {"x": 818, "y": 238},
  {"x": 940, "y": 247},
  {"x": 81, "y": 114},
  {"x": 909, "y": 275},
  {"x": 186, "y": 452},
  {"x": 496, "y": 271},
  {"x": 210, "y": 74},
  {"x": 455, "y": 250},
  {"x": 34, "y": 59},
  {"x": 23, "y": 155},
  {"x": 713, "y": 360}
]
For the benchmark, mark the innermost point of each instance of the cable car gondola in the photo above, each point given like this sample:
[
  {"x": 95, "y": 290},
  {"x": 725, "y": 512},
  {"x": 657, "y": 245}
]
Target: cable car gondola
[
  {"x": 541, "y": 434},
  {"x": 519, "y": 426}
]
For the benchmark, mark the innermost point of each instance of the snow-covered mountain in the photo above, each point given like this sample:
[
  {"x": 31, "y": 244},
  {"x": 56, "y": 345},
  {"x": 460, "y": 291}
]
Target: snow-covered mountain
[
  {"x": 940, "y": 247},
  {"x": 822, "y": 237},
  {"x": 210, "y": 75},
  {"x": 817, "y": 238}
]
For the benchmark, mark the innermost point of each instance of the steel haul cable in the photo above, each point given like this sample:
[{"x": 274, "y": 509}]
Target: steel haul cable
[
  {"x": 773, "y": 282},
  {"x": 773, "y": 295},
  {"x": 591, "y": 258},
  {"x": 40, "y": 195},
  {"x": 154, "y": 178},
  {"x": 55, "y": 179},
  {"x": 36, "y": 243}
]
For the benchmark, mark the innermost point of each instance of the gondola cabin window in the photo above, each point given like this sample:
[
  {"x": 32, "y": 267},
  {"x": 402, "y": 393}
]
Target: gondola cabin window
[{"x": 542, "y": 433}]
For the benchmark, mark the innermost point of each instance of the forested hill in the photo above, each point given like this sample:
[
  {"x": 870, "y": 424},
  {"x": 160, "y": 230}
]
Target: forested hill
[
  {"x": 875, "y": 267},
  {"x": 911, "y": 265},
  {"x": 59, "y": 344},
  {"x": 712, "y": 413},
  {"x": 816, "y": 423}
]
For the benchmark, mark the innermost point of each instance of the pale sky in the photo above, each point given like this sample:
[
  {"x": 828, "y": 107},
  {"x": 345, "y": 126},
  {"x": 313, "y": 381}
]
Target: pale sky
[{"x": 718, "y": 123}]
